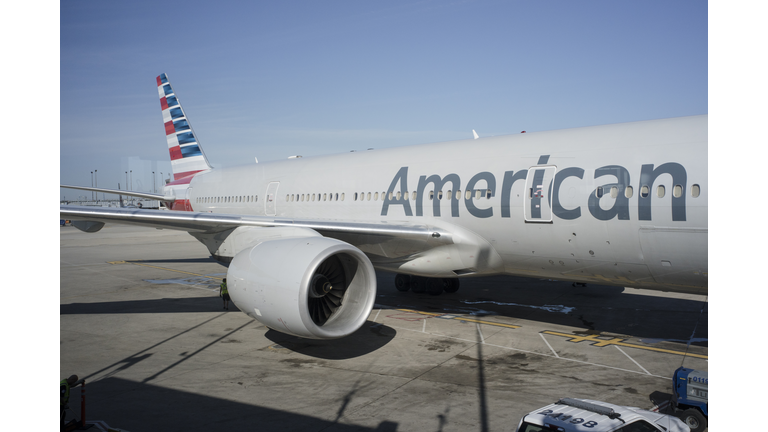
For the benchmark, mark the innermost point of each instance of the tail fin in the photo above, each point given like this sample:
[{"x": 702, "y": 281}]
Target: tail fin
[{"x": 187, "y": 156}]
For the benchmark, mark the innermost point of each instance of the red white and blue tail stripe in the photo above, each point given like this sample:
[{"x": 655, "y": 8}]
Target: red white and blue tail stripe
[{"x": 187, "y": 157}]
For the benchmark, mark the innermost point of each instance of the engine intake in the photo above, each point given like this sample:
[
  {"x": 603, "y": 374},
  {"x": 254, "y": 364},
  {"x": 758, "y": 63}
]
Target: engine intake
[{"x": 312, "y": 287}]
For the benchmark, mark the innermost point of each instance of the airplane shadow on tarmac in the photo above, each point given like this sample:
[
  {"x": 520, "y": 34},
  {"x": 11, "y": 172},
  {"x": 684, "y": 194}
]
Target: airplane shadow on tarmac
[
  {"x": 368, "y": 338},
  {"x": 597, "y": 309},
  {"x": 142, "y": 406}
]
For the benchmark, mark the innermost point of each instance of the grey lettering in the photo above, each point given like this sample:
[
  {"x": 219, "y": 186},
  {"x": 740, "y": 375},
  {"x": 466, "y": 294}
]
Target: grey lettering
[
  {"x": 438, "y": 183},
  {"x": 490, "y": 181},
  {"x": 621, "y": 205},
  {"x": 402, "y": 177},
  {"x": 506, "y": 189},
  {"x": 557, "y": 208},
  {"x": 648, "y": 176}
]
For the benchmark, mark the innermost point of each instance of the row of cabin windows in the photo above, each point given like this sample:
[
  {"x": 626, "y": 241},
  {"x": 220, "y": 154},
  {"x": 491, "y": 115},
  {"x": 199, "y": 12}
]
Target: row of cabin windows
[
  {"x": 227, "y": 199},
  {"x": 393, "y": 196},
  {"x": 314, "y": 197},
  {"x": 677, "y": 191}
]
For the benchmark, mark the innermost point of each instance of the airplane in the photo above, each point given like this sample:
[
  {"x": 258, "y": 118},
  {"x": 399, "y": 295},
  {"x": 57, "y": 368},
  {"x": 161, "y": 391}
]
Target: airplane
[{"x": 621, "y": 204}]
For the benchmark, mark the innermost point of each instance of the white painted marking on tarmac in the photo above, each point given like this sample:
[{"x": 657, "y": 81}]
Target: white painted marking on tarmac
[
  {"x": 550, "y": 346},
  {"x": 377, "y": 315},
  {"x": 633, "y": 360},
  {"x": 424, "y": 326},
  {"x": 482, "y": 339},
  {"x": 536, "y": 353}
]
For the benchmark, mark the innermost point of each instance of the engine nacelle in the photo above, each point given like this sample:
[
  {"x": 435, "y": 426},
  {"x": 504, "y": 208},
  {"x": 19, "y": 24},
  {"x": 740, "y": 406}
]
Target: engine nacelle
[{"x": 311, "y": 287}]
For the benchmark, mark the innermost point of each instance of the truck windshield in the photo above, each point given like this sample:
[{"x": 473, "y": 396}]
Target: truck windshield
[{"x": 527, "y": 427}]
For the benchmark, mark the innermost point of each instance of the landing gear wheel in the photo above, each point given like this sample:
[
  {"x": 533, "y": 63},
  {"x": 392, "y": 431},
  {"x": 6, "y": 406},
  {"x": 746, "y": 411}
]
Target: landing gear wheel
[
  {"x": 435, "y": 286},
  {"x": 402, "y": 282},
  {"x": 418, "y": 284},
  {"x": 694, "y": 419},
  {"x": 451, "y": 285}
]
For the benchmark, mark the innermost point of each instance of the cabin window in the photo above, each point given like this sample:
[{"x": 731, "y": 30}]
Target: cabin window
[
  {"x": 448, "y": 195},
  {"x": 391, "y": 195},
  {"x": 440, "y": 195},
  {"x": 614, "y": 192},
  {"x": 644, "y": 191},
  {"x": 342, "y": 197},
  {"x": 376, "y": 196},
  {"x": 677, "y": 191},
  {"x": 399, "y": 195},
  {"x": 695, "y": 191},
  {"x": 628, "y": 192},
  {"x": 660, "y": 191},
  {"x": 599, "y": 192},
  {"x": 405, "y": 197},
  {"x": 431, "y": 195},
  {"x": 458, "y": 194},
  {"x": 369, "y": 196},
  {"x": 355, "y": 196}
]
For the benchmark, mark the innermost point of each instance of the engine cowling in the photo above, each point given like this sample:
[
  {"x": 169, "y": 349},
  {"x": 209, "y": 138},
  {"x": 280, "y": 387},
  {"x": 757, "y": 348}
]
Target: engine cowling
[{"x": 311, "y": 287}]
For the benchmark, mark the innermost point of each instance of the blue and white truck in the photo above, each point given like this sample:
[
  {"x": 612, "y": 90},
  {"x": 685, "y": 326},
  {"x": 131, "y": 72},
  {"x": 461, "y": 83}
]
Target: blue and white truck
[{"x": 690, "y": 390}]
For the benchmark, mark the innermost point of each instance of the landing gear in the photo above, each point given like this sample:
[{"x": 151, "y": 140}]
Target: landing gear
[
  {"x": 451, "y": 285},
  {"x": 434, "y": 286},
  {"x": 420, "y": 284},
  {"x": 402, "y": 282}
]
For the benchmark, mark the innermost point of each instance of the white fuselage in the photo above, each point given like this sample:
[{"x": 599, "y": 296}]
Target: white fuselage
[{"x": 620, "y": 204}]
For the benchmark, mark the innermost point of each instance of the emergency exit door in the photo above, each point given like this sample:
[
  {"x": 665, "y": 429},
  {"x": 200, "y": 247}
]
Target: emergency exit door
[
  {"x": 538, "y": 188},
  {"x": 271, "y": 199}
]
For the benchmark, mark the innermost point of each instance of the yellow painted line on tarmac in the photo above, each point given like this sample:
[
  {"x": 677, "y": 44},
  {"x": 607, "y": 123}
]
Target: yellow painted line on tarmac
[
  {"x": 596, "y": 341},
  {"x": 163, "y": 268},
  {"x": 459, "y": 318}
]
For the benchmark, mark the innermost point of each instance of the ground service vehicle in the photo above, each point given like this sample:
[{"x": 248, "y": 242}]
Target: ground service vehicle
[
  {"x": 583, "y": 415},
  {"x": 690, "y": 398}
]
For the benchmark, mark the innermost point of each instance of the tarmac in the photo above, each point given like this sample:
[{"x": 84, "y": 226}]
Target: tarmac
[{"x": 141, "y": 320}]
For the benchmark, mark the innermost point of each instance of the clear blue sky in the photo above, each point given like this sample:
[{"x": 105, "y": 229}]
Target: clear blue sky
[{"x": 274, "y": 79}]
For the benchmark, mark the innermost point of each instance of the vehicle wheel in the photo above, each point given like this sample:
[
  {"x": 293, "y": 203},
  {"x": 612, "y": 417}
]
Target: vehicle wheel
[
  {"x": 694, "y": 419},
  {"x": 402, "y": 282},
  {"x": 451, "y": 285},
  {"x": 418, "y": 284},
  {"x": 434, "y": 286}
]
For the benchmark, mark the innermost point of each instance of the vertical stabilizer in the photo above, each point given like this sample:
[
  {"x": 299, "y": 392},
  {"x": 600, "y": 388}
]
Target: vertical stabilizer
[{"x": 187, "y": 155}]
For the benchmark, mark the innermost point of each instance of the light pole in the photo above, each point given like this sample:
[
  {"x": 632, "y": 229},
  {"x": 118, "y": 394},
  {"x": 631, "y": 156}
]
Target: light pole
[
  {"x": 96, "y": 182},
  {"x": 154, "y": 183},
  {"x": 91, "y": 184}
]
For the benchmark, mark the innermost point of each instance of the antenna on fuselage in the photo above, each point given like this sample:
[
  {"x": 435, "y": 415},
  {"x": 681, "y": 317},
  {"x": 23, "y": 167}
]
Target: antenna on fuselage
[{"x": 475, "y": 134}]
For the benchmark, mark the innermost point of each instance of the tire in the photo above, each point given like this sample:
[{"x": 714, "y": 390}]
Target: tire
[
  {"x": 434, "y": 286},
  {"x": 694, "y": 419},
  {"x": 418, "y": 284},
  {"x": 451, "y": 285},
  {"x": 402, "y": 282}
]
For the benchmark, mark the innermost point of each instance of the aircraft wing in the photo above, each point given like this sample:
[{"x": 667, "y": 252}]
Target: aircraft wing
[
  {"x": 145, "y": 195},
  {"x": 210, "y": 223}
]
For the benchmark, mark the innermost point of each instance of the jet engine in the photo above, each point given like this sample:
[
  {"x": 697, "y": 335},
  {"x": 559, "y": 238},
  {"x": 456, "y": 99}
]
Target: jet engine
[{"x": 311, "y": 287}]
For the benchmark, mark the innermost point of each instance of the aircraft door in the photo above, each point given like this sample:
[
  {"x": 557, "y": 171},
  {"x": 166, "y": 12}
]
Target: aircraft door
[
  {"x": 271, "y": 199},
  {"x": 538, "y": 191}
]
